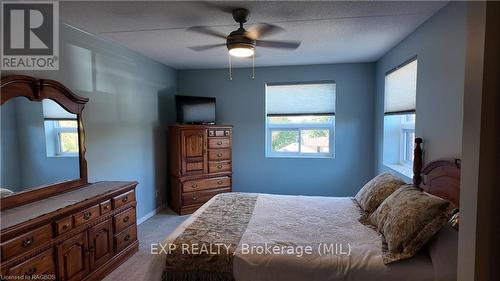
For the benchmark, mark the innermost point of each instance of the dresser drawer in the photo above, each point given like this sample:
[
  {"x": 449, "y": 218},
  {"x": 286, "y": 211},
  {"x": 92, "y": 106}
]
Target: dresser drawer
[
  {"x": 220, "y": 166},
  {"x": 125, "y": 238},
  {"x": 219, "y": 143},
  {"x": 86, "y": 215},
  {"x": 203, "y": 184},
  {"x": 26, "y": 242},
  {"x": 63, "y": 225},
  {"x": 219, "y": 133},
  {"x": 42, "y": 264},
  {"x": 200, "y": 197},
  {"x": 105, "y": 207},
  {"x": 124, "y": 219},
  {"x": 123, "y": 199},
  {"x": 219, "y": 154}
]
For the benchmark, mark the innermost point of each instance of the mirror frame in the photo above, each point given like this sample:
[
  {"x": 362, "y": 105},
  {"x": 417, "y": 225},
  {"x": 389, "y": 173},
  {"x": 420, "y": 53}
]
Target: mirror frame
[{"x": 36, "y": 90}]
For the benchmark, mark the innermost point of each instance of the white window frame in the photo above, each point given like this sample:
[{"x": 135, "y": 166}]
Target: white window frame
[
  {"x": 270, "y": 127},
  {"x": 330, "y": 126},
  {"x": 57, "y": 135},
  {"x": 406, "y": 145}
]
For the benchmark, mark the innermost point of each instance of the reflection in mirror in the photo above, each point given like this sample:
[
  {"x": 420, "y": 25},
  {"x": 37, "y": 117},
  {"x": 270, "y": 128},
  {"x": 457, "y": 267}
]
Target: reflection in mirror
[{"x": 39, "y": 145}]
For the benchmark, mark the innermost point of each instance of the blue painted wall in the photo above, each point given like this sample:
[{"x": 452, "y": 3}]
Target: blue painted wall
[
  {"x": 439, "y": 45},
  {"x": 241, "y": 102},
  {"x": 10, "y": 176},
  {"x": 131, "y": 101},
  {"x": 24, "y": 153}
]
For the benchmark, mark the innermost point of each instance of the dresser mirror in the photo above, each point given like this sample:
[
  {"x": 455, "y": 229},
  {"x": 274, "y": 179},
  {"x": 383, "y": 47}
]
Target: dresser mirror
[{"x": 42, "y": 140}]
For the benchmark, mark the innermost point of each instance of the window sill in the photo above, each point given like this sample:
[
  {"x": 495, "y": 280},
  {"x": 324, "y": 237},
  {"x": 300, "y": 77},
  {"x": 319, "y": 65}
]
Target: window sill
[
  {"x": 402, "y": 169},
  {"x": 302, "y": 156},
  {"x": 64, "y": 156}
]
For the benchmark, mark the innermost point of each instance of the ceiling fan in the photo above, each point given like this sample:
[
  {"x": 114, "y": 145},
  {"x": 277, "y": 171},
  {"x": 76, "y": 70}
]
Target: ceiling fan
[{"x": 242, "y": 42}]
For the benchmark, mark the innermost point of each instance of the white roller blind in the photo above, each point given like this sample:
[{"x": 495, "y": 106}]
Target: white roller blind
[
  {"x": 300, "y": 99},
  {"x": 401, "y": 89},
  {"x": 52, "y": 110}
]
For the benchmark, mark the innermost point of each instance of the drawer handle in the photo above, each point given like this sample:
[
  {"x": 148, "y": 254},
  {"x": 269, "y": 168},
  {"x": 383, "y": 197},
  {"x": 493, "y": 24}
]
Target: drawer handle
[
  {"x": 194, "y": 185},
  {"x": 125, "y": 219},
  {"x": 66, "y": 226},
  {"x": 126, "y": 238},
  {"x": 226, "y": 133},
  {"x": 26, "y": 243},
  {"x": 125, "y": 199},
  {"x": 219, "y": 154},
  {"x": 219, "y": 166},
  {"x": 106, "y": 207},
  {"x": 30, "y": 272},
  {"x": 219, "y": 182},
  {"x": 219, "y": 143},
  {"x": 194, "y": 198},
  {"x": 87, "y": 215}
]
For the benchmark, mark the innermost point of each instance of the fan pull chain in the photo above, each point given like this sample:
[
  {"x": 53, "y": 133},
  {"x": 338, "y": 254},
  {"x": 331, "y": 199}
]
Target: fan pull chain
[
  {"x": 230, "y": 71},
  {"x": 253, "y": 66}
]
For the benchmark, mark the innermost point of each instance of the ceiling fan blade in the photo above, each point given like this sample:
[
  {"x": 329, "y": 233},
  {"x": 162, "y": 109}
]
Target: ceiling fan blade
[
  {"x": 206, "y": 47},
  {"x": 263, "y": 29},
  {"x": 278, "y": 44},
  {"x": 207, "y": 31}
]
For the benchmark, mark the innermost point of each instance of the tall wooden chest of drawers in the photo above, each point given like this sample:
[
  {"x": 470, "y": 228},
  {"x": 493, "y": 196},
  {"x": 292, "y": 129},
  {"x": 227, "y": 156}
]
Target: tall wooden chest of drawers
[{"x": 200, "y": 165}]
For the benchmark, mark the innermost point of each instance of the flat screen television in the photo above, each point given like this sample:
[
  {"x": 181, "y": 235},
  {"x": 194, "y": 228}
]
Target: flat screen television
[{"x": 195, "y": 110}]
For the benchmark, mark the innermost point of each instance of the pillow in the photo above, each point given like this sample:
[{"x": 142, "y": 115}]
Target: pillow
[
  {"x": 407, "y": 219},
  {"x": 375, "y": 191},
  {"x": 443, "y": 250}
]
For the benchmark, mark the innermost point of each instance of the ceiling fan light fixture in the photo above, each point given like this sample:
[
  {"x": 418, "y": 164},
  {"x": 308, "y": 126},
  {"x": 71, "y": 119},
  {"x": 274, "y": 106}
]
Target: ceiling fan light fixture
[{"x": 241, "y": 50}]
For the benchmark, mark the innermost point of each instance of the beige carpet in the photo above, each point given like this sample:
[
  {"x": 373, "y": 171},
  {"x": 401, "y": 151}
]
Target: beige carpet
[{"x": 154, "y": 230}]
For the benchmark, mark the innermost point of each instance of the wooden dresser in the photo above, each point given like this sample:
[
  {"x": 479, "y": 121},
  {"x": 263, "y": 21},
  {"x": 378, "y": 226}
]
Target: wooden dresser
[
  {"x": 200, "y": 165},
  {"x": 57, "y": 225},
  {"x": 78, "y": 235}
]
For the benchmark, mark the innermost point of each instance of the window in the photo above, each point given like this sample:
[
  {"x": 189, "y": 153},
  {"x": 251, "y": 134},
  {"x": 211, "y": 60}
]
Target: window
[
  {"x": 61, "y": 131},
  {"x": 61, "y": 137},
  {"x": 300, "y": 119},
  {"x": 66, "y": 136},
  {"x": 407, "y": 138},
  {"x": 399, "y": 119}
]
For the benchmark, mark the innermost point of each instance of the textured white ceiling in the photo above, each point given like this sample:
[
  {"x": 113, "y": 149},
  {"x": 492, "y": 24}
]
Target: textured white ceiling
[{"x": 331, "y": 32}]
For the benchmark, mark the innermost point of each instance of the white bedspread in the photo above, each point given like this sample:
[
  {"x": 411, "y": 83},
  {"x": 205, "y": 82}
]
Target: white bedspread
[
  {"x": 328, "y": 222},
  {"x": 307, "y": 220}
]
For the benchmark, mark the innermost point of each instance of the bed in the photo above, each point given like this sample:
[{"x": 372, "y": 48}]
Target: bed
[{"x": 244, "y": 236}]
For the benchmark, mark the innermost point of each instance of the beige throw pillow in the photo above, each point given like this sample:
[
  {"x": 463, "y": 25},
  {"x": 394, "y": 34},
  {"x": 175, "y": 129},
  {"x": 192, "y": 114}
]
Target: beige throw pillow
[
  {"x": 407, "y": 219},
  {"x": 375, "y": 191}
]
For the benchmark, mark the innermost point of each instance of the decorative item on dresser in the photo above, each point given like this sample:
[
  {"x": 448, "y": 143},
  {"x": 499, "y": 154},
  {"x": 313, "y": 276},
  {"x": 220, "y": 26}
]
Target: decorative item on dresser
[
  {"x": 200, "y": 165},
  {"x": 56, "y": 225}
]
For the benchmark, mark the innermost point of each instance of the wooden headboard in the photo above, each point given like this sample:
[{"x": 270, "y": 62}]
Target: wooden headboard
[{"x": 440, "y": 177}]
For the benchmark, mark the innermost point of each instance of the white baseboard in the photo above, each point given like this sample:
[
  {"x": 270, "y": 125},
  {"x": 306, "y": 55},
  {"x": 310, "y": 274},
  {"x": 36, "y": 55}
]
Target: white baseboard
[{"x": 151, "y": 214}]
